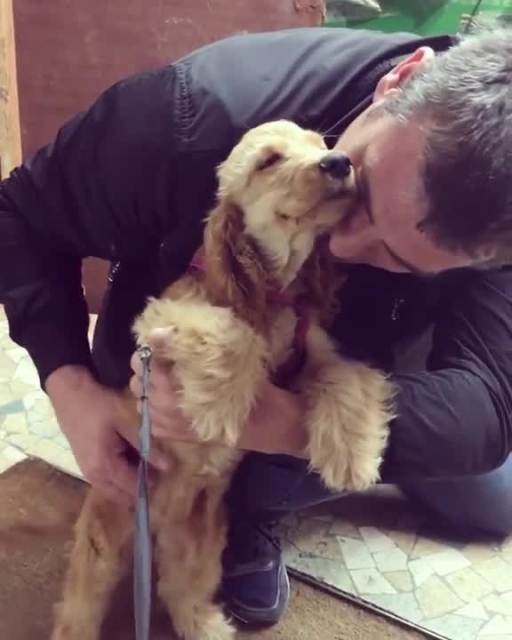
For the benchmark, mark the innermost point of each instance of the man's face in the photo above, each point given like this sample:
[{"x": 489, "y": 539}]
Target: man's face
[{"x": 382, "y": 231}]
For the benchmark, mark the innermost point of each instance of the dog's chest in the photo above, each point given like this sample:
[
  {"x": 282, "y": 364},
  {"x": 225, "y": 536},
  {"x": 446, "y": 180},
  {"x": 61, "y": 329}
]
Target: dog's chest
[{"x": 282, "y": 337}]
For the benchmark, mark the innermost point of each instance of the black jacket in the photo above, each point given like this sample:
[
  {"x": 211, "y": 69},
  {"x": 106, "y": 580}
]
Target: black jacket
[{"x": 131, "y": 179}]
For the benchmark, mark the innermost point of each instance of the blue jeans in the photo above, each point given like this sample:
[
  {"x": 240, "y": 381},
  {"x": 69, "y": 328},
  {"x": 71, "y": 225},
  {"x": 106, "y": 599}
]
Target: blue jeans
[{"x": 266, "y": 485}]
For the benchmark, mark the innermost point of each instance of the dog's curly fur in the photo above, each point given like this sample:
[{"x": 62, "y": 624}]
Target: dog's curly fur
[{"x": 223, "y": 339}]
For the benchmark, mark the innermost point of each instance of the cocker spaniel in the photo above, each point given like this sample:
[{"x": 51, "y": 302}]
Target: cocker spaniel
[{"x": 255, "y": 304}]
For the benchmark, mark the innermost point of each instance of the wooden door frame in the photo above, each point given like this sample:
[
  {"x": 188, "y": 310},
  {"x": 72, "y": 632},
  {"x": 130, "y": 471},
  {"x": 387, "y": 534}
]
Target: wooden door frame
[{"x": 10, "y": 130}]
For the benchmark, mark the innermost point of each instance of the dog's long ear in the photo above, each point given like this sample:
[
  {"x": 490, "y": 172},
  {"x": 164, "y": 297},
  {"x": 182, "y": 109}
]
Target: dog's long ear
[
  {"x": 321, "y": 279},
  {"x": 236, "y": 273}
]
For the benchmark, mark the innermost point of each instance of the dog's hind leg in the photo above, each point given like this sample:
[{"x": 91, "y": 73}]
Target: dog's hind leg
[
  {"x": 189, "y": 558},
  {"x": 99, "y": 558}
]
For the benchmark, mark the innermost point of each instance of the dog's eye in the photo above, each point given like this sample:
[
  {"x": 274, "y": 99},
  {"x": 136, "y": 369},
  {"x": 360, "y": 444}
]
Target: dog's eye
[
  {"x": 283, "y": 216},
  {"x": 269, "y": 161}
]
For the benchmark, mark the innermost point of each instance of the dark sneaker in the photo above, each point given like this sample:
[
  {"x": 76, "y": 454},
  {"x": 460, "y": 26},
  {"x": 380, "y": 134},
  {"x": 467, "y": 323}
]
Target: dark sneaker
[{"x": 256, "y": 589}]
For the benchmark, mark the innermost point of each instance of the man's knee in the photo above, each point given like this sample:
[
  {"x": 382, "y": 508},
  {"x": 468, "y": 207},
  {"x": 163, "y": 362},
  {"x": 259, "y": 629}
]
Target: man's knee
[
  {"x": 496, "y": 517},
  {"x": 265, "y": 483},
  {"x": 479, "y": 503}
]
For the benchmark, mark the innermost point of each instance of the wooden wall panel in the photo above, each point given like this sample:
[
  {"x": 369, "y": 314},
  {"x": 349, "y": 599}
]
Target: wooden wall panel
[{"x": 69, "y": 51}]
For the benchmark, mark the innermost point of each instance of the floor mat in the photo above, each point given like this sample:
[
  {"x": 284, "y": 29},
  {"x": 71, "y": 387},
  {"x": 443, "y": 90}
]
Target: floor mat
[
  {"x": 38, "y": 505},
  {"x": 375, "y": 550}
]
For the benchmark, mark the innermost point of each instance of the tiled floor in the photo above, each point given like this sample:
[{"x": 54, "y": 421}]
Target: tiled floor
[
  {"x": 27, "y": 422},
  {"x": 375, "y": 548},
  {"x": 378, "y": 549}
]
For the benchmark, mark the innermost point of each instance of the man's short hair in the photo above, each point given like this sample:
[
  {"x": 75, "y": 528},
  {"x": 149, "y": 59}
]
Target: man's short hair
[{"x": 463, "y": 98}]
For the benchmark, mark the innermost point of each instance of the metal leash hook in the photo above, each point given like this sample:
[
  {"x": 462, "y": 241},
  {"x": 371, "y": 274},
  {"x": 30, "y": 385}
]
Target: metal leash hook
[{"x": 142, "y": 542}]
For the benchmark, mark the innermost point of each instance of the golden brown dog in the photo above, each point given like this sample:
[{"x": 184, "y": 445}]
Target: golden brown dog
[{"x": 225, "y": 328}]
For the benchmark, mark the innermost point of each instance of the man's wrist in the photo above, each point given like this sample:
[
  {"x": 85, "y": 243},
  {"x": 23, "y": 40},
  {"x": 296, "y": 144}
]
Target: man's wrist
[{"x": 68, "y": 379}]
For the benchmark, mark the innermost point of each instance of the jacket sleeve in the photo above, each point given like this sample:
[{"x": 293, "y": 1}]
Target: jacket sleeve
[
  {"x": 102, "y": 188},
  {"x": 455, "y": 418}
]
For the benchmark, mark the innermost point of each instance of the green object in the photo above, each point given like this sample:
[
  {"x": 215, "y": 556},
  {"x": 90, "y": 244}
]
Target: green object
[{"x": 424, "y": 17}]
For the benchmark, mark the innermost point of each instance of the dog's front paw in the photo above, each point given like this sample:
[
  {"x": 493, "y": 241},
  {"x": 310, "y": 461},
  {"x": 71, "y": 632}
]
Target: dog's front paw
[
  {"x": 341, "y": 468},
  {"x": 333, "y": 458},
  {"x": 332, "y": 468},
  {"x": 218, "y": 361},
  {"x": 348, "y": 423}
]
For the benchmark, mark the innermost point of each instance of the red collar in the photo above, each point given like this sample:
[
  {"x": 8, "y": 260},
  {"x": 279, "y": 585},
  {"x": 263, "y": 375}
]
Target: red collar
[{"x": 285, "y": 373}]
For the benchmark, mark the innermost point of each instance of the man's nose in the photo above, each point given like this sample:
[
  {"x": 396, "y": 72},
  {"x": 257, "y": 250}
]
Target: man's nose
[{"x": 336, "y": 165}]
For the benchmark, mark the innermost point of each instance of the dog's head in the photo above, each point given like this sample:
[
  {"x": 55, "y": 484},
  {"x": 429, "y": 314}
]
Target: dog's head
[{"x": 280, "y": 189}]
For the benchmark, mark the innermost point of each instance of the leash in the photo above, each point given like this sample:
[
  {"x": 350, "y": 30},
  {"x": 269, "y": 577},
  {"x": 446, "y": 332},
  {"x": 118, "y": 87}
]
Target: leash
[{"x": 142, "y": 542}]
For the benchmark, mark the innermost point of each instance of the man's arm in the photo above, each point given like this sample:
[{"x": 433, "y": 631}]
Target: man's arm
[
  {"x": 455, "y": 418},
  {"x": 40, "y": 287},
  {"x": 95, "y": 191}
]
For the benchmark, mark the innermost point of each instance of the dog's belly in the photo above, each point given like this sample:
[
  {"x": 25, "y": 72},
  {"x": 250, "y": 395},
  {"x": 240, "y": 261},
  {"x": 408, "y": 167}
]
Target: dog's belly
[
  {"x": 203, "y": 460},
  {"x": 195, "y": 472}
]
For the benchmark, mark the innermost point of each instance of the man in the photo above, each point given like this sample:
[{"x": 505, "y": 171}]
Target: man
[{"x": 427, "y": 124}]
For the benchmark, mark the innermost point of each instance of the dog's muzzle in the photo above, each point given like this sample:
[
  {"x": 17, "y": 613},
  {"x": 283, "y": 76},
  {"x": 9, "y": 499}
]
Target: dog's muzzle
[{"x": 336, "y": 165}]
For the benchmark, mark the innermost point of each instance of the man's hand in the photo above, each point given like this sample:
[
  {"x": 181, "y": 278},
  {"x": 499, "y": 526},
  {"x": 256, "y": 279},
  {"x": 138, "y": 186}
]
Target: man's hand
[
  {"x": 275, "y": 425},
  {"x": 90, "y": 417}
]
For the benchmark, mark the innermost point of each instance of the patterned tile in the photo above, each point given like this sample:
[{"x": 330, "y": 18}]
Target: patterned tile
[
  {"x": 370, "y": 581},
  {"x": 376, "y": 541},
  {"x": 324, "y": 571},
  {"x": 474, "y": 610},
  {"x": 469, "y": 585},
  {"x": 356, "y": 554},
  {"x": 497, "y": 626},
  {"x": 376, "y": 547},
  {"x": 478, "y": 552},
  {"x": 446, "y": 587},
  {"x": 345, "y": 529},
  {"x": 506, "y": 550},
  {"x": 15, "y": 406},
  {"x": 496, "y": 571},
  {"x": 15, "y": 424},
  {"x": 502, "y": 603},
  {"x": 426, "y": 547},
  {"x": 421, "y": 571},
  {"x": 447, "y": 561},
  {"x": 404, "y": 605},
  {"x": 401, "y": 580},
  {"x": 27, "y": 421},
  {"x": 454, "y": 626},
  {"x": 436, "y": 598},
  {"x": 394, "y": 560},
  {"x": 10, "y": 456}
]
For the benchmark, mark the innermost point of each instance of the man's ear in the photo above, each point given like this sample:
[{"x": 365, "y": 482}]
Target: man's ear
[{"x": 394, "y": 80}]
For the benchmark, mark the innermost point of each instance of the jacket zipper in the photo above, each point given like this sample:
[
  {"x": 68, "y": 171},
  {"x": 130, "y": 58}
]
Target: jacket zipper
[
  {"x": 396, "y": 309},
  {"x": 114, "y": 269}
]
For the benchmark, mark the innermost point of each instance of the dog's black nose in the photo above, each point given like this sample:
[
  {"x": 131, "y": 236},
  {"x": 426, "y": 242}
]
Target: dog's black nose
[{"x": 336, "y": 165}]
